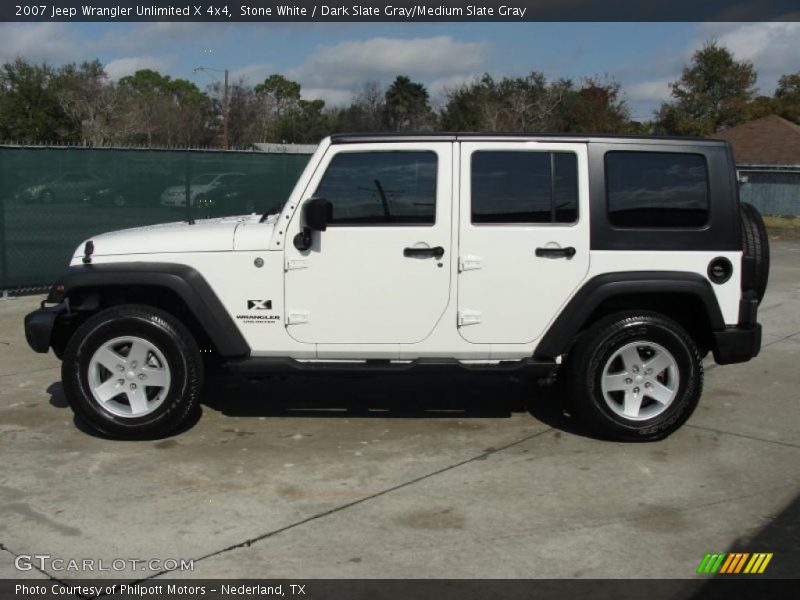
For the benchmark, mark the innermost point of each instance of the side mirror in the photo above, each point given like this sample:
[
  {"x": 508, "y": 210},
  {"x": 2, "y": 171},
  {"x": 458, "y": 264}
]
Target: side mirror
[{"x": 317, "y": 213}]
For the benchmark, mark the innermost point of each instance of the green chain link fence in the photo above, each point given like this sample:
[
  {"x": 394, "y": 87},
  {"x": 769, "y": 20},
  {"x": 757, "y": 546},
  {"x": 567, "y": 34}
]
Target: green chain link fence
[{"x": 52, "y": 198}]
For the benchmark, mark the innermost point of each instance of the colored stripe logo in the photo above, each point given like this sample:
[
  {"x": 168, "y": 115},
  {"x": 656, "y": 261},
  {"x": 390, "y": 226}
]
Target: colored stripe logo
[{"x": 734, "y": 563}]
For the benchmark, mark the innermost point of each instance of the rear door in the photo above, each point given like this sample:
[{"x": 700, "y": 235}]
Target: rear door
[{"x": 524, "y": 237}]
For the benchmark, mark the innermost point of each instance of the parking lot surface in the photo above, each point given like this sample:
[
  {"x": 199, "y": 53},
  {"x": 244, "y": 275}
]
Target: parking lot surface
[{"x": 468, "y": 476}]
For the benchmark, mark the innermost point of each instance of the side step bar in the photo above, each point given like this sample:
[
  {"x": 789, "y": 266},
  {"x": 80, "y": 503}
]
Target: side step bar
[{"x": 267, "y": 366}]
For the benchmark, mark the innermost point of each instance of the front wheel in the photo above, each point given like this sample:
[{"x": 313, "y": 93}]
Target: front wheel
[
  {"x": 132, "y": 372},
  {"x": 635, "y": 376}
]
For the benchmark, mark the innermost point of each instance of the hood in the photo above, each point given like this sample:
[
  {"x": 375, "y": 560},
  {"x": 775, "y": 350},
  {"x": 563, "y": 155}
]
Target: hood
[{"x": 206, "y": 235}]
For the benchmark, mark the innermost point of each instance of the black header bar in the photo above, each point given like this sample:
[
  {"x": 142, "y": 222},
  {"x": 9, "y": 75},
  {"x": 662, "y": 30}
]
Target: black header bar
[{"x": 399, "y": 10}]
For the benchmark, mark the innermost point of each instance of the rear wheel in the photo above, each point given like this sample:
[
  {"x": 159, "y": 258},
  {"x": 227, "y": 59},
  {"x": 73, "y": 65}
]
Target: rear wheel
[
  {"x": 132, "y": 372},
  {"x": 635, "y": 376}
]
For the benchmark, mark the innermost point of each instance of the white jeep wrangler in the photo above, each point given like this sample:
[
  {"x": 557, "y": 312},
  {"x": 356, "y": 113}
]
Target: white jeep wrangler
[{"x": 618, "y": 263}]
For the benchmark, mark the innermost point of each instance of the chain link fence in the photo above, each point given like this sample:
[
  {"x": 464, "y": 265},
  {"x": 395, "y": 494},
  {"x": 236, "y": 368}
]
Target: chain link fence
[{"x": 52, "y": 198}]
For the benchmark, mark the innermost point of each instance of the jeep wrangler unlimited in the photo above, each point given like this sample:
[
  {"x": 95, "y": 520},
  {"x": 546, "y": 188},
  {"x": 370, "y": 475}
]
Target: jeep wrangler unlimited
[{"x": 617, "y": 262}]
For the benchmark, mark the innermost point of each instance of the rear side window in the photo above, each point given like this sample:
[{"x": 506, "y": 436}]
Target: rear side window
[
  {"x": 657, "y": 189},
  {"x": 391, "y": 188},
  {"x": 524, "y": 187}
]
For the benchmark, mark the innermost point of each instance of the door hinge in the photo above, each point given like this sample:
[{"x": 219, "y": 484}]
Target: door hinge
[
  {"x": 296, "y": 263},
  {"x": 469, "y": 263},
  {"x": 297, "y": 317},
  {"x": 469, "y": 317}
]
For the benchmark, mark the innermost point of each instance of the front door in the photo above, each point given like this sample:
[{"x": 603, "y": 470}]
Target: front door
[
  {"x": 380, "y": 272},
  {"x": 524, "y": 237}
]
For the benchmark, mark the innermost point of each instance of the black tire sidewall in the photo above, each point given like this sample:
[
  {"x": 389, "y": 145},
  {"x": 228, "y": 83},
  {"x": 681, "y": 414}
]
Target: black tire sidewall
[
  {"x": 112, "y": 324},
  {"x": 755, "y": 244},
  {"x": 645, "y": 330}
]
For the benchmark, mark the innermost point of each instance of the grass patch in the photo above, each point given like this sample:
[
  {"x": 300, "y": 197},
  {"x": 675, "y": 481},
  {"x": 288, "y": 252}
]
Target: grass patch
[{"x": 786, "y": 227}]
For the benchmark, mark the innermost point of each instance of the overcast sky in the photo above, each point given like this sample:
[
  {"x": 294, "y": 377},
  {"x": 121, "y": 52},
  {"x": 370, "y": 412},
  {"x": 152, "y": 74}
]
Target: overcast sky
[{"x": 331, "y": 60}]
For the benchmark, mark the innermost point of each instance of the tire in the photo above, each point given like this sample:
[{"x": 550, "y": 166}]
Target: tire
[
  {"x": 755, "y": 244},
  {"x": 170, "y": 360},
  {"x": 620, "y": 346}
]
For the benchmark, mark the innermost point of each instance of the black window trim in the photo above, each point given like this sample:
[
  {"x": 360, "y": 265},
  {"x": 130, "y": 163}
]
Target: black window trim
[
  {"x": 616, "y": 227},
  {"x": 356, "y": 150},
  {"x": 532, "y": 224}
]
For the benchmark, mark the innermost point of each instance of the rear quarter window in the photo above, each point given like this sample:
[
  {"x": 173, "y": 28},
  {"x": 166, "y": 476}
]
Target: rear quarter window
[{"x": 657, "y": 189}]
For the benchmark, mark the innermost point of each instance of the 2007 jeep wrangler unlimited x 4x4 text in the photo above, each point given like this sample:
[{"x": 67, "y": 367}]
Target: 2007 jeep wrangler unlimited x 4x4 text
[{"x": 617, "y": 263}]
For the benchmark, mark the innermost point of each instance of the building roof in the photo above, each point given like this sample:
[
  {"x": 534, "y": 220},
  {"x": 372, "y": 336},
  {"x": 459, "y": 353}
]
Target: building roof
[
  {"x": 285, "y": 148},
  {"x": 771, "y": 140}
]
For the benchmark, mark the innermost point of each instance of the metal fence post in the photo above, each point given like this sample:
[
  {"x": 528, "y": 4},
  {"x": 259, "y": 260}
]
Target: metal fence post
[
  {"x": 3, "y": 240},
  {"x": 188, "y": 188}
]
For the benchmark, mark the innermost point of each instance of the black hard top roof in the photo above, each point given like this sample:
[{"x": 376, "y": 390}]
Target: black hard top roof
[{"x": 381, "y": 137}]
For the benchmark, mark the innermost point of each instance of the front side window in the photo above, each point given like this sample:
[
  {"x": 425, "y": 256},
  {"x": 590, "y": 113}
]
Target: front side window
[
  {"x": 391, "y": 188},
  {"x": 657, "y": 189},
  {"x": 524, "y": 187}
]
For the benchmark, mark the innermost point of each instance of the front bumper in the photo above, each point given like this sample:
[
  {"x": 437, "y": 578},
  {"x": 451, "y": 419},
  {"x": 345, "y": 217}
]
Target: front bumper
[{"x": 39, "y": 326}]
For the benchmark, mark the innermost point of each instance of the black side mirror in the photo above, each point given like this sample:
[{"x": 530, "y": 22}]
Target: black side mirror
[{"x": 317, "y": 213}]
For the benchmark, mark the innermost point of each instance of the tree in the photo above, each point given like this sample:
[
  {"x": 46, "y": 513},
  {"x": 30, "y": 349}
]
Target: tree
[
  {"x": 594, "y": 108},
  {"x": 29, "y": 106},
  {"x": 284, "y": 93},
  {"x": 162, "y": 110},
  {"x": 713, "y": 93},
  {"x": 367, "y": 111},
  {"x": 787, "y": 97},
  {"x": 243, "y": 113},
  {"x": 407, "y": 105},
  {"x": 91, "y": 101},
  {"x": 512, "y": 104},
  {"x": 304, "y": 124},
  {"x": 279, "y": 100}
]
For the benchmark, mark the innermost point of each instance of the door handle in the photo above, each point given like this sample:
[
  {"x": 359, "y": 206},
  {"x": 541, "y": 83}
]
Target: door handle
[
  {"x": 567, "y": 252},
  {"x": 435, "y": 252}
]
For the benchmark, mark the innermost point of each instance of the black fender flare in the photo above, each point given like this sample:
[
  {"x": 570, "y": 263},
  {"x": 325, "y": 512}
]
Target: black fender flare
[
  {"x": 186, "y": 282},
  {"x": 597, "y": 290}
]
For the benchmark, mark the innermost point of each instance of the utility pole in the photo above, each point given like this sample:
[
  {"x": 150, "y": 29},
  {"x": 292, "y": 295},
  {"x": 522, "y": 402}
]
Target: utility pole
[{"x": 225, "y": 111}]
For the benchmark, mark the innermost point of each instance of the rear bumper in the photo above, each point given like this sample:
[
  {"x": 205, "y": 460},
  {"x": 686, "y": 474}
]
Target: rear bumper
[
  {"x": 39, "y": 326},
  {"x": 741, "y": 342},
  {"x": 737, "y": 344}
]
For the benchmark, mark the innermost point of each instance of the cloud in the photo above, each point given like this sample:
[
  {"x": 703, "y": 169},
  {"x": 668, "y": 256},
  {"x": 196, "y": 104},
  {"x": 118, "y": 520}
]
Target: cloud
[
  {"x": 253, "y": 74},
  {"x": 649, "y": 91},
  {"x": 332, "y": 97},
  {"x": 39, "y": 42},
  {"x": 120, "y": 67},
  {"x": 149, "y": 38},
  {"x": 346, "y": 64}
]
